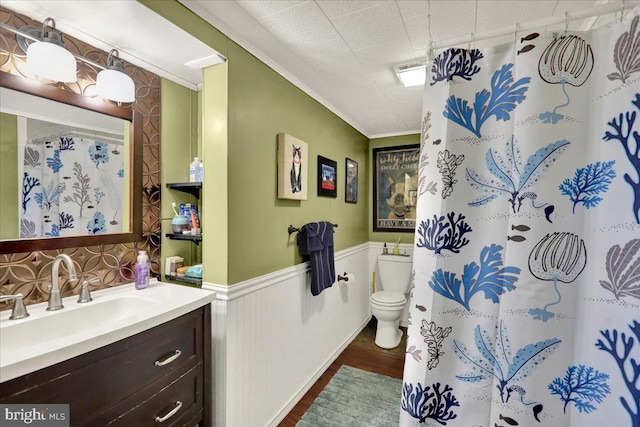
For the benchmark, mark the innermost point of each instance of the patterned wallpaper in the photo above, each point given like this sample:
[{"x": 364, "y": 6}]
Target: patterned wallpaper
[{"x": 29, "y": 273}]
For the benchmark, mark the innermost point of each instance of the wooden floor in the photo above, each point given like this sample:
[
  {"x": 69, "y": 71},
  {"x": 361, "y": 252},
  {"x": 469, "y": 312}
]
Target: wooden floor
[{"x": 362, "y": 353}]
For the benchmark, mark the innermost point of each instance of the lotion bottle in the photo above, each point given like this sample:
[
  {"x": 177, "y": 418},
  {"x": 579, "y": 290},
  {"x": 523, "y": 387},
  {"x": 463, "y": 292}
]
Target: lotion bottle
[{"x": 142, "y": 270}]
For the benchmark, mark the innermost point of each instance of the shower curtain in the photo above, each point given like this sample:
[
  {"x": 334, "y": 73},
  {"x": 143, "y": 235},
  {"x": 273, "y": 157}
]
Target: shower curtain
[
  {"x": 71, "y": 186},
  {"x": 525, "y": 304}
]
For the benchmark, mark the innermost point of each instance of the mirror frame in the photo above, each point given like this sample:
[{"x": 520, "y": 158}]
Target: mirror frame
[{"x": 32, "y": 87}]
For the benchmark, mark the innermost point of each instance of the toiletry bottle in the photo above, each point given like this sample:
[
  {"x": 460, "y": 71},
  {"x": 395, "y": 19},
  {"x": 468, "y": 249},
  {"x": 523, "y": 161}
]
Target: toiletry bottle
[
  {"x": 142, "y": 270},
  {"x": 201, "y": 172},
  {"x": 385, "y": 251},
  {"x": 396, "y": 249},
  {"x": 194, "y": 170}
]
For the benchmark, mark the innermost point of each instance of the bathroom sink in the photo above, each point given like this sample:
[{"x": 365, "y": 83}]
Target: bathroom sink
[
  {"x": 48, "y": 337},
  {"x": 71, "y": 320}
]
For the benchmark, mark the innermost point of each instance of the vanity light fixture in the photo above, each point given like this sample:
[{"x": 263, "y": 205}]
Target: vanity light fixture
[
  {"x": 48, "y": 58},
  {"x": 412, "y": 74},
  {"x": 113, "y": 83}
]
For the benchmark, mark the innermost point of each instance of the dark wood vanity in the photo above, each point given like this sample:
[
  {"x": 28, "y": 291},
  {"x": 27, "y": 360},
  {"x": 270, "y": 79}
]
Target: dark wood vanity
[{"x": 159, "y": 377}]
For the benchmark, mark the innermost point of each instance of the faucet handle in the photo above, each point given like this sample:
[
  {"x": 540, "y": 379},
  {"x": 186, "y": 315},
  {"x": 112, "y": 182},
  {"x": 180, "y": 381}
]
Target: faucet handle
[
  {"x": 85, "y": 295},
  {"x": 19, "y": 310}
]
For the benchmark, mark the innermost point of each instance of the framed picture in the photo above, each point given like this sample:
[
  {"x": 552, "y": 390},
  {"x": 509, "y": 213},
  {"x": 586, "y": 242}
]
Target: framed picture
[
  {"x": 327, "y": 177},
  {"x": 351, "y": 181},
  {"x": 293, "y": 164},
  {"x": 395, "y": 185}
]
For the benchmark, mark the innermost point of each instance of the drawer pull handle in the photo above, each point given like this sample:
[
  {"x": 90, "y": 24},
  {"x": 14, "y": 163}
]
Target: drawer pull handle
[
  {"x": 170, "y": 414},
  {"x": 169, "y": 359}
]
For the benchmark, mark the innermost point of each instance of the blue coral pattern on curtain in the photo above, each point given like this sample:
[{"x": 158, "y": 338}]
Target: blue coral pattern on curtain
[
  {"x": 71, "y": 186},
  {"x": 525, "y": 302}
]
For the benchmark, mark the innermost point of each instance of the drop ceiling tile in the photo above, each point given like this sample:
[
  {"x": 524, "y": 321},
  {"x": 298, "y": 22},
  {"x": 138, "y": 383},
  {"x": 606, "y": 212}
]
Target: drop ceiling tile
[
  {"x": 303, "y": 24},
  {"x": 372, "y": 26},
  {"x": 332, "y": 60},
  {"x": 262, "y": 8},
  {"x": 411, "y": 118},
  {"x": 387, "y": 124},
  {"x": 416, "y": 9},
  {"x": 361, "y": 94},
  {"x": 493, "y": 14},
  {"x": 398, "y": 94},
  {"x": 336, "y": 8},
  {"x": 334, "y": 52},
  {"x": 388, "y": 52},
  {"x": 451, "y": 19}
]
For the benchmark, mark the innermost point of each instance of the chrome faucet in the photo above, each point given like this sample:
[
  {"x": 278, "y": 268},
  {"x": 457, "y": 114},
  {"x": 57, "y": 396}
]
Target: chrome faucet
[
  {"x": 55, "y": 301},
  {"x": 19, "y": 311}
]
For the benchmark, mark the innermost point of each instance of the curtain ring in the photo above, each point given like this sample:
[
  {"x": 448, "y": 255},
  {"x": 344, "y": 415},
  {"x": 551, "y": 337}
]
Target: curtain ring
[
  {"x": 515, "y": 34},
  {"x": 566, "y": 22},
  {"x": 471, "y": 40},
  {"x": 430, "y": 52}
]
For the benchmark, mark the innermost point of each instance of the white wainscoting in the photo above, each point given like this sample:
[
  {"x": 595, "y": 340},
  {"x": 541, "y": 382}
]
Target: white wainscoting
[{"x": 272, "y": 339}]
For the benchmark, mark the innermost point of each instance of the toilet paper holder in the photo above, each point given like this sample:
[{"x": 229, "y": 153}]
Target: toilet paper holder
[{"x": 343, "y": 277}]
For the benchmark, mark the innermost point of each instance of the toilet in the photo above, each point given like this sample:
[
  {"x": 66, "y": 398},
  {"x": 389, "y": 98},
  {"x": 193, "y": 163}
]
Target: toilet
[{"x": 388, "y": 303}]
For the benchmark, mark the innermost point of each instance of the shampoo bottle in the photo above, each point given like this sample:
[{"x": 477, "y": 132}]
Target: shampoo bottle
[
  {"x": 194, "y": 170},
  {"x": 142, "y": 270}
]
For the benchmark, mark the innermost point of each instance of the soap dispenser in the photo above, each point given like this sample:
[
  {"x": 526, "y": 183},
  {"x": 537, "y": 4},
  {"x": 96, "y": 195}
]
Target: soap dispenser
[{"x": 142, "y": 270}]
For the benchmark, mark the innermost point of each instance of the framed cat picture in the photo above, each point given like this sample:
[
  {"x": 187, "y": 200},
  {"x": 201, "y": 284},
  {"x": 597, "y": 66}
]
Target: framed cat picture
[{"x": 293, "y": 164}]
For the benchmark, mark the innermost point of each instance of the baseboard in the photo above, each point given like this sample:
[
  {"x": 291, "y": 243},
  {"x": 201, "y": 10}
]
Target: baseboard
[{"x": 305, "y": 388}]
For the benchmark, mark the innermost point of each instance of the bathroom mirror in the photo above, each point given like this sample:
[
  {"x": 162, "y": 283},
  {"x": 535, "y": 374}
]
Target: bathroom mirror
[{"x": 70, "y": 169}]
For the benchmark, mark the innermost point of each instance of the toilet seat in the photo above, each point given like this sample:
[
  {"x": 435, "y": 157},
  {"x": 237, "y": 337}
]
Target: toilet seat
[{"x": 388, "y": 299}]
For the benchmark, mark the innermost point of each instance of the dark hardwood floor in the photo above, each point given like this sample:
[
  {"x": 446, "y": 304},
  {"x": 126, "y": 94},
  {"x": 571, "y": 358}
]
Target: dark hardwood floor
[{"x": 361, "y": 353}]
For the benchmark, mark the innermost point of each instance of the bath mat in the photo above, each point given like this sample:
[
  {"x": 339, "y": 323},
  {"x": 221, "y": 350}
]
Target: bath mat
[{"x": 354, "y": 397}]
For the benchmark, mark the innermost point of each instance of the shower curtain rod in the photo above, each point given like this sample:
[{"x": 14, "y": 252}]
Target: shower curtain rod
[
  {"x": 95, "y": 137},
  {"x": 532, "y": 25}
]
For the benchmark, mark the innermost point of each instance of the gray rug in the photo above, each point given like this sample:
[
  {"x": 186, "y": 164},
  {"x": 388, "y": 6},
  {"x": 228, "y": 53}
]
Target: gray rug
[{"x": 354, "y": 397}]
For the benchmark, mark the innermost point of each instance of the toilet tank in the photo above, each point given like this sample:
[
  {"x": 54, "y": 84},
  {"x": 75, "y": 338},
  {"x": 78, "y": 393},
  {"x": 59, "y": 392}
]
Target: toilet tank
[{"x": 395, "y": 273}]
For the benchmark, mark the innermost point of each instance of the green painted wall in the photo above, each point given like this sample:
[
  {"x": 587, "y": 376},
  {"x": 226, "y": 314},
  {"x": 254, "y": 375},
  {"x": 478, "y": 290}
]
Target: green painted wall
[
  {"x": 387, "y": 142},
  {"x": 8, "y": 177},
  {"x": 262, "y": 104},
  {"x": 178, "y": 146}
]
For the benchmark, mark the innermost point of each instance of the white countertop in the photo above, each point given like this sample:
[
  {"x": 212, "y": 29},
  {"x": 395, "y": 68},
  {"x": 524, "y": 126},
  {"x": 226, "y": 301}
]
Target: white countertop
[{"x": 49, "y": 337}]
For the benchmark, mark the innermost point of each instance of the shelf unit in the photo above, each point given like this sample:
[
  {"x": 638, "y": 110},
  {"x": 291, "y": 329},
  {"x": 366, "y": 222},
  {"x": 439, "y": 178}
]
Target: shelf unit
[
  {"x": 192, "y": 188},
  {"x": 175, "y": 236},
  {"x": 186, "y": 279}
]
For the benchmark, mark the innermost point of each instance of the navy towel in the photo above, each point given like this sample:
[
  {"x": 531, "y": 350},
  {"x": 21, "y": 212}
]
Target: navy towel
[{"x": 315, "y": 242}]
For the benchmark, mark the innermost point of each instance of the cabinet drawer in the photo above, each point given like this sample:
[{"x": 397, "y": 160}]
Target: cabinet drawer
[
  {"x": 172, "y": 405},
  {"x": 96, "y": 381}
]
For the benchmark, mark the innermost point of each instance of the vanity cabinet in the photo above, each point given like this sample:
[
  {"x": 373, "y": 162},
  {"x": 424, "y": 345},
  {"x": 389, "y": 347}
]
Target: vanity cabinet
[
  {"x": 159, "y": 377},
  {"x": 192, "y": 188}
]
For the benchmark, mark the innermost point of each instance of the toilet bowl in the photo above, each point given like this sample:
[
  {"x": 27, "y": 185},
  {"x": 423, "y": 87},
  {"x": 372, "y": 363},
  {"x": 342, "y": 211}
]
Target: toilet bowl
[{"x": 388, "y": 303}]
